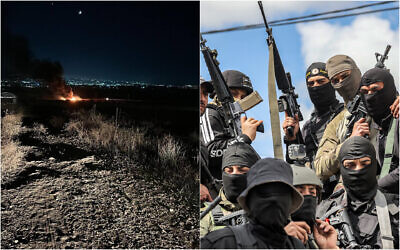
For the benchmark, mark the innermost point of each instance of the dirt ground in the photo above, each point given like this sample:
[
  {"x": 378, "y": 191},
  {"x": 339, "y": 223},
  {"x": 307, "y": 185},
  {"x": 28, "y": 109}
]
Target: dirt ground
[{"x": 67, "y": 196}]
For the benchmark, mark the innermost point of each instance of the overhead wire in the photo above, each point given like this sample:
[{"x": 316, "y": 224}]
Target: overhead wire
[
  {"x": 289, "y": 21},
  {"x": 332, "y": 11}
]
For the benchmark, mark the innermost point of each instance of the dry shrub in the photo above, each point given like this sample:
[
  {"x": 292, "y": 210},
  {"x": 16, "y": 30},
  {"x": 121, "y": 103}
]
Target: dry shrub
[
  {"x": 164, "y": 156},
  {"x": 10, "y": 127},
  {"x": 12, "y": 154},
  {"x": 170, "y": 152},
  {"x": 93, "y": 129}
]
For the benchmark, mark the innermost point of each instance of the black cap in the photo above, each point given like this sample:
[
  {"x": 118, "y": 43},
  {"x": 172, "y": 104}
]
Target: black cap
[
  {"x": 206, "y": 84},
  {"x": 316, "y": 69},
  {"x": 236, "y": 79},
  {"x": 241, "y": 154}
]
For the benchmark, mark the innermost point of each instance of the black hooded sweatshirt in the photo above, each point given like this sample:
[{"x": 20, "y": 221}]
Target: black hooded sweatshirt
[{"x": 378, "y": 106}]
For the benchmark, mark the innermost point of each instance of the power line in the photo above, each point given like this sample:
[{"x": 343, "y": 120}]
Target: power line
[
  {"x": 283, "y": 21},
  {"x": 331, "y": 12},
  {"x": 340, "y": 16}
]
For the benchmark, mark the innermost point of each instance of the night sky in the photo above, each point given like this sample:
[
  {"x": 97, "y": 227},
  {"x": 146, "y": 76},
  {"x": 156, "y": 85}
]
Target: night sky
[{"x": 153, "y": 42}]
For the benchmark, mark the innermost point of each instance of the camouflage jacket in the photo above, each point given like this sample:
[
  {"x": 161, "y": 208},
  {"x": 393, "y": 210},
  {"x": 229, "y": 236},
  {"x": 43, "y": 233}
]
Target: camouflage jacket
[
  {"x": 207, "y": 224},
  {"x": 326, "y": 161}
]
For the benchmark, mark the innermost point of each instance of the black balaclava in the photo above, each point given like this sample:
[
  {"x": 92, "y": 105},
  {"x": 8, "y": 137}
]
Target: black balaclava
[
  {"x": 269, "y": 204},
  {"x": 240, "y": 154},
  {"x": 360, "y": 185},
  {"x": 378, "y": 103},
  {"x": 307, "y": 211},
  {"x": 321, "y": 96}
]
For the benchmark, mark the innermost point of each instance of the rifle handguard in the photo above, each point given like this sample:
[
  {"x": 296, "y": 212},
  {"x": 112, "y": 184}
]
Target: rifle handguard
[
  {"x": 250, "y": 101},
  {"x": 211, "y": 206}
]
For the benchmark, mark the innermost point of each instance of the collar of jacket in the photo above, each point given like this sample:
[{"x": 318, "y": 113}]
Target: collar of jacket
[{"x": 227, "y": 204}]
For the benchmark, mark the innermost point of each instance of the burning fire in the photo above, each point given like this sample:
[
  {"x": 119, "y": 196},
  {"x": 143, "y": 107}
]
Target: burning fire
[{"x": 71, "y": 97}]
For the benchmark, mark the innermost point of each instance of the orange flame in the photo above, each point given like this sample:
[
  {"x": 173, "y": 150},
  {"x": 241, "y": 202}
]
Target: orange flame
[{"x": 71, "y": 97}]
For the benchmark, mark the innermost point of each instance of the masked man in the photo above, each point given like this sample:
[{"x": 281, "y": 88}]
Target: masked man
[
  {"x": 302, "y": 221},
  {"x": 379, "y": 90},
  {"x": 236, "y": 162},
  {"x": 362, "y": 215},
  {"x": 326, "y": 107},
  {"x": 345, "y": 78},
  {"x": 268, "y": 199},
  {"x": 213, "y": 128}
]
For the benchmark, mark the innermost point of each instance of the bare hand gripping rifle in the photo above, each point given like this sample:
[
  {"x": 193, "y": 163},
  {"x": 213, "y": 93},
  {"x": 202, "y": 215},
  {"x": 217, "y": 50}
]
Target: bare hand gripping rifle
[
  {"x": 287, "y": 102},
  {"x": 357, "y": 107},
  {"x": 341, "y": 222},
  {"x": 232, "y": 110}
]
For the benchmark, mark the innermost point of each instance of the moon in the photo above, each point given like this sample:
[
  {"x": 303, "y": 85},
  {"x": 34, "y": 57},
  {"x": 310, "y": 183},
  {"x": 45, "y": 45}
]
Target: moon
[{"x": 79, "y": 12}]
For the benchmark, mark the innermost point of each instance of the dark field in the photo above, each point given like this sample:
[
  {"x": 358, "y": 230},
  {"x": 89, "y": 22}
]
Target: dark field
[{"x": 97, "y": 173}]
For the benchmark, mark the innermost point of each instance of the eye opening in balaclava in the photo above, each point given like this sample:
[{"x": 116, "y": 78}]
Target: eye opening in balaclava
[
  {"x": 378, "y": 104},
  {"x": 321, "y": 96},
  {"x": 360, "y": 184},
  {"x": 349, "y": 86},
  {"x": 238, "y": 154}
]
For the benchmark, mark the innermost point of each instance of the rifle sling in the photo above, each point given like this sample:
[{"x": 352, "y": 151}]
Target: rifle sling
[
  {"x": 384, "y": 221},
  {"x": 273, "y": 107},
  {"x": 388, "y": 150}
]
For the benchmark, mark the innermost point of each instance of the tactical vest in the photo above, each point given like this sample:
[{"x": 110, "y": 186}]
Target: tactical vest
[
  {"x": 315, "y": 130},
  {"x": 344, "y": 226}
]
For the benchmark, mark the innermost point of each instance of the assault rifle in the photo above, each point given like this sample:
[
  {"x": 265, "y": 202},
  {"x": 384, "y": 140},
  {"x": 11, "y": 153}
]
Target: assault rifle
[
  {"x": 380, "y": 59},
  {"x": 345, "y": 232},
  {"x": 231, "y": 110},
  {"x": 357, "y": 107},
  {"x": 287, "y": 101},
  {"x": 210, "y": 207}
]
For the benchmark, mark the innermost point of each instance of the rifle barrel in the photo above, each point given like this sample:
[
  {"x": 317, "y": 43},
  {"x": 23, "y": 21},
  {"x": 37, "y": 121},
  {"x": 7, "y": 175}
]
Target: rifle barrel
[{"x": 211, "y": 206}]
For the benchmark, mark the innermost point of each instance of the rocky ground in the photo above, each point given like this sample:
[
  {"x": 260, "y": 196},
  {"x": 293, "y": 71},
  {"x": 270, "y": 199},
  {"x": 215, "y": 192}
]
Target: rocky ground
[{"x": 69, "y": 196}]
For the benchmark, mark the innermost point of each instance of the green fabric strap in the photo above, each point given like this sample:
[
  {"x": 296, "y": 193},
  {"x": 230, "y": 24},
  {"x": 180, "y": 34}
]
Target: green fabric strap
[
  {"x": 388, "y": 150},
  {"x": 273, "y": 107},
  {"x": 384, "y": 221}
]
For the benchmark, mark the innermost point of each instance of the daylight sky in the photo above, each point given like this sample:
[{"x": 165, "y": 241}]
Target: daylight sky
[{"x": 299, "y": 45}]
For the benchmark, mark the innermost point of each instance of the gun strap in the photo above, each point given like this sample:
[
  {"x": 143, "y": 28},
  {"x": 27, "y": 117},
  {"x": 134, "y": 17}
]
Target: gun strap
[
  {"x": 273, "y": 107},
  {"x": 244, "y": 239},
  {"x": 388, "y": 150},
  {"x": 384, "y": 221}
]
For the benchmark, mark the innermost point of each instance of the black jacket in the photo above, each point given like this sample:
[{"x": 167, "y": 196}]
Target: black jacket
[
  {"x": 261, "y": 239},
  {"x": 214, "y": 134},
  {"x": 364, "y": 219}
]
